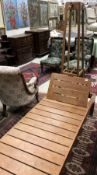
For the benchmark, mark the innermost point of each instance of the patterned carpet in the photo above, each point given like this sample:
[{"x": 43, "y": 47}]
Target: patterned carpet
[
  {"x": 35, "y": 68},
  {"x": 82, "y": 159},
  {"x": 93, "y": 77}
]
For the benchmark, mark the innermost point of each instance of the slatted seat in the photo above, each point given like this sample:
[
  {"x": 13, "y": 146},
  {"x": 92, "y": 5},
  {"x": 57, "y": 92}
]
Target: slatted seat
[{"x": 41, "y": 141}]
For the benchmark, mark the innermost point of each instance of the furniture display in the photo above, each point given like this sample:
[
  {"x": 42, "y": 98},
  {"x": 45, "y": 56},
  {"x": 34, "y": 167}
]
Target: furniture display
[
  {"x": 69, "y": 7},
  {"x": 14, "y": 91},
  {"x": 40, "y": 41},
  {"x": 39, "y": 144},
  {"x": 55, "y": 54},
  {"x": 22, "y": 48}
]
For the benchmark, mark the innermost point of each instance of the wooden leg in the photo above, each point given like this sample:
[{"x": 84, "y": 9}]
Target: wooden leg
[
  {"x": 92, "y": 110},
  {"x": 4, "y": 113},
  {"x": 41, "y": 67},
  {"x": 37, "y": 97}
]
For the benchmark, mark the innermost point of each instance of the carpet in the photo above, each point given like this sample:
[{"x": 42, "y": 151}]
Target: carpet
[
  {"x": 82, "y": 159},
  {"x": 93, "y": 78},
  {"x": 31, "y": 68}
]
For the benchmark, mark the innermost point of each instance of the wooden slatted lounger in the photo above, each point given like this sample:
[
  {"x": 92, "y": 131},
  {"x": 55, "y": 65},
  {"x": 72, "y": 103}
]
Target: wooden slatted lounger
[{"x": 41, "y": 141}]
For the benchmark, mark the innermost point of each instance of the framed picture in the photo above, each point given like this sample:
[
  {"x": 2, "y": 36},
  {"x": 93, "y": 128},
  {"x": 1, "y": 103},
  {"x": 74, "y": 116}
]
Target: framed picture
[
  {"x": 52, "y": 23},
  {"x": 33, "y": 8},
  {"x": 22, "y": 7},
  {"x": 11, "y": 14},
  {"x": 2, "y": 25},
  {"x": 61, "y": 9},
  {"x": 52, "y": 9},
  {"x": 43, "y": 13}
]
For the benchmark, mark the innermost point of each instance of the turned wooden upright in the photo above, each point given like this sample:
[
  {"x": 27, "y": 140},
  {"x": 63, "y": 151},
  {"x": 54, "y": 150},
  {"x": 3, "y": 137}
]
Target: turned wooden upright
[{"x": 79, "y": 8}]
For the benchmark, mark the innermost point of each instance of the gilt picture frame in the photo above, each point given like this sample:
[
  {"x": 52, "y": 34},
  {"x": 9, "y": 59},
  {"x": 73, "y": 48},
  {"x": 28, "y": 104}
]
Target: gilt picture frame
[
  {"x": 22, "y": 7},
  {"x": 33, "y": 8},
  {"x": 43, "y": 13},
  {"x": 52, "y": 9}
]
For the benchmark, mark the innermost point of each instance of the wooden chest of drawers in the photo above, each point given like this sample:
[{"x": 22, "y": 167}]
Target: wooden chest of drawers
[
  {"x": 40, "y": 41},
  {"x": 22, "y": 48}
]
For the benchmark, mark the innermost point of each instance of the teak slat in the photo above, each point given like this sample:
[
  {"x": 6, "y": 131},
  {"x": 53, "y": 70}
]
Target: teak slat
[
  {"x": 63, "y": 107},
  {"x": 70, "y": 91},
  {"x": 17, "y": 167},
  {"x": 42, "y": 115},
  {"x": 34, "y": 150},
  {"x": 3, "y": 172},
  {"x": 29, "y": 160},
  {"x": 44, "y": 134},
  {"x": 38, "y": 141},
  {"x": 59, "y": 112},
  {"x": 49, "y": 128},
  {"x": 55, "y": 127}
]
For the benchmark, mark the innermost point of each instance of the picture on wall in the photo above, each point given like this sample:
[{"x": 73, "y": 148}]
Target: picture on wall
[
  {"x": 11, "y": 14},
  {"x": 33, "y": 7},
  {"x": 43, "y": 13},
  {"x": 23, "y": 17},
  {"x": 53, "y": 9},
  {"x": 1, "y": 16}
]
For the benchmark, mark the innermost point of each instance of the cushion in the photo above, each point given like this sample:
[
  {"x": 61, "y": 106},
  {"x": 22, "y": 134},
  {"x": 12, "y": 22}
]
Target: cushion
[
  {"x": 92, "y": 27},
  {"x": 52, "y": 61}
]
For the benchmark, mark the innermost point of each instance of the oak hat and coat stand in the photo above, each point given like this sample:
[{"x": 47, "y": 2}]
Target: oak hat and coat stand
[{"x": 79, "y": 7}]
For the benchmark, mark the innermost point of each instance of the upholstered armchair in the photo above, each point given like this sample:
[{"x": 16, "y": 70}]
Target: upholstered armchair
[
  {"x": 91, "y": 19},
  {"x": 87, "y": 52},
  {"x": 14, "y": 91},
  {"x": 55, "y": 54}
]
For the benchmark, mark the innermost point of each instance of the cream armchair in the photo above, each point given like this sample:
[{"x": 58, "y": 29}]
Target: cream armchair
[
  {"x": 91, "y": 19},
  {"x": 14, "y": 91}
]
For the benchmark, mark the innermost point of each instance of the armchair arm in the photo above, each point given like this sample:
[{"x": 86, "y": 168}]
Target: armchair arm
[{"x": 31, "y": 85}]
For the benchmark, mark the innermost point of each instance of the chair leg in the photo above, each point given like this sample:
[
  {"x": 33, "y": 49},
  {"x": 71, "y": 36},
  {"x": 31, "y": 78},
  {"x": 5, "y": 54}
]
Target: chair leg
[
  {"x": 4, "y": 112},
  {"x": 37, "y": 97},
  {"x": 92, "y": 109},
  {"x": 41, "y": 68}
]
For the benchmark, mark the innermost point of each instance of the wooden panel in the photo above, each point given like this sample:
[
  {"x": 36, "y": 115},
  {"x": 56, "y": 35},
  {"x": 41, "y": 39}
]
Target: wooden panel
[
  {"x": 63, "y": 107},
  {"x": 28, "y": 159},
  {"x": 3, "y": 172},
  {"x": 54, "y": 127},
  {"x": 46, "y": 116},
  {"x": 72, "y": 90},
  {"x": 16, "y": 167},
  {"x": 44, "y": 134},
  {"x": 59, "y": 112},
  {"x": 30, "y": 138}
]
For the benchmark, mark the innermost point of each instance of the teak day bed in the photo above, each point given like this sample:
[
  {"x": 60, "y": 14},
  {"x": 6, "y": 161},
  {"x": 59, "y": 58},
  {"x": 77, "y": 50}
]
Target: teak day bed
[{"x": 41, "y": 141}]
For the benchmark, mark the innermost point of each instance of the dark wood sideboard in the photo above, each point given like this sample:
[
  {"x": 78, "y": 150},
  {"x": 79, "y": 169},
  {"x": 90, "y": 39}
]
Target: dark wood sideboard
[
  {"x": 22, "y": 48},
  {"x": 40, "y": 41}
]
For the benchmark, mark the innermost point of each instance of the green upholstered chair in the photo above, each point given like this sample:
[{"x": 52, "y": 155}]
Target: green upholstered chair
[
  {"x": 55, "y": 54},
  {"x": 87, "y": 48}
]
